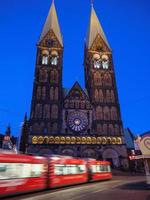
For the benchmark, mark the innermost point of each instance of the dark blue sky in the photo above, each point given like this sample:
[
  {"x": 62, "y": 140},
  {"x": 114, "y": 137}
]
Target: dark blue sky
[{"x": 127, "y": 27}]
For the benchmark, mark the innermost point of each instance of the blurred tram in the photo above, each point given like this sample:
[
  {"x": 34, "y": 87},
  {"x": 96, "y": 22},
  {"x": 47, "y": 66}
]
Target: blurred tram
[
  {"x": 98, "y": 170},
  {"x": 23, "y": 173}
]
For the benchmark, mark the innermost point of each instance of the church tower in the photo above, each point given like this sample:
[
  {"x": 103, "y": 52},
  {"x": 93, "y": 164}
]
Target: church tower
[
  {"x": 45, "y": 117},
  {"x": 100, "y": 81},
  {"x": 101, "y": 86}
]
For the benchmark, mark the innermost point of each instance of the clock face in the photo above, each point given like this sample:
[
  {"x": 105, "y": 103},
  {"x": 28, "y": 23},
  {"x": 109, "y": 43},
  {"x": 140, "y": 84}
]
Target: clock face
[{"x": 77, "y": 121}]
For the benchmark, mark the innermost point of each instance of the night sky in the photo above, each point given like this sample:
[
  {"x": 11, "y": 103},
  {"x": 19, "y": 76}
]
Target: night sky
[{"x": 126, "y": 24}]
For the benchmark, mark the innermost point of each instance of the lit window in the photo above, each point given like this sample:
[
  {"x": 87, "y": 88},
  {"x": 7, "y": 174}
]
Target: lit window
[
  {"x": 97, "y": 64},
  {"x": 45, "y": 60},
  {"x": 54, "y": 61},
  {"x": 105, "y": 64}
]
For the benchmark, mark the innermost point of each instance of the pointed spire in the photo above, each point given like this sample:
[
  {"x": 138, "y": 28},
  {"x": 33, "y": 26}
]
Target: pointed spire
[
  {"x": 52, "y": 24},
  {"x": 94, "y": 29},
  {"x": 8, "y": 130}
]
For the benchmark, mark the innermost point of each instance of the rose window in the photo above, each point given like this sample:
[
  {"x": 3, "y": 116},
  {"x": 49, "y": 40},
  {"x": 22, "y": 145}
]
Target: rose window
[{"x": 77, "y": 121}]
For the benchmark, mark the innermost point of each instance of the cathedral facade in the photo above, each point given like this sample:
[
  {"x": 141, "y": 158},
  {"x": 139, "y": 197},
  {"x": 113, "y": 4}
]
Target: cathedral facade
[{"x": 80, "y": 122}]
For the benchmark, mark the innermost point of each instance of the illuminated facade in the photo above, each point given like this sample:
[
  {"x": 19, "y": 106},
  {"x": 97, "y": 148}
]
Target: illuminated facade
[{"x": 79, "y": 122}]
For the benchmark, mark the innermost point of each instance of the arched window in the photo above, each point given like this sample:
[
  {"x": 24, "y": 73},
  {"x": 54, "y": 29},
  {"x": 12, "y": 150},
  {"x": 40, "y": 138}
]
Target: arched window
[
  {"x": 107, "y": 96},
  {"x": 106, "y": 113},
  {"x": 77, "y": 103},
  {"x": 54, "y": 112},
  {"x": 111, "y": 129},
  {"x": 38, "y": 111},
  {"x": 82, "y": 104},
  {"x": 99, "y": 129},
  {"x": 36, "y": 128},
  {"x": 43, "y": 75},
  {"x": 105, "y": 129},
  {"x": 38, "y": 94},
  {"x": 56, "y": 93},
  {"x": 56, "y": 76},
  {"x": 52, "y": 75},
  {"x": 54, "y": 128},
  {"x": 99, "y": 113},
  {"x": 114, "y": 113},
  {"x": 46, "y": 112},
  {"x": 49, "y": 128},
  {"x": 97, "y": 78},
  {"x": 101, "y": 97},
  {"x": 43, "y": 92},
  {"x": 45, "y": 60},
  {"x": 54, "y": 60},
  {"x": 116, "y": 129},
  {"x": 112, "y": 96},
  {"x": 51, "y": 93},
  {"x": 107, "y": 79},
  {"x": 96, "y": 95},
  {"x": 42, "y": 125}
]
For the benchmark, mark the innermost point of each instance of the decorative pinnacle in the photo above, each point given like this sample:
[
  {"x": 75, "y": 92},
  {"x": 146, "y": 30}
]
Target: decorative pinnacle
[{"x": 92, "y": 2}]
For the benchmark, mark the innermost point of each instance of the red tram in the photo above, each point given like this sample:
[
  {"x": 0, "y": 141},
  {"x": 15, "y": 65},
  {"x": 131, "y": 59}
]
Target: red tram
[
  {"x": 23, "y": 173},
  {"x": 66, "y": 171}
]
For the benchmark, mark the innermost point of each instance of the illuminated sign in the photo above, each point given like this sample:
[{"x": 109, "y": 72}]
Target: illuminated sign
[
  {"x": 144, "y": 145},
  {"x": 75, "y": 140}
]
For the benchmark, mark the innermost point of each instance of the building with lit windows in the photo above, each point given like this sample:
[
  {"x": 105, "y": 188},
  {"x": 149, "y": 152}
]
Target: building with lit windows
[{"x": 81, "y": 122}]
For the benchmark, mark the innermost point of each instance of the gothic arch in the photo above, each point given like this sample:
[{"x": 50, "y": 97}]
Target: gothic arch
[
  {"x": 117, "y": 129},
  {"x": 107, "y": 79},
  {"x": 89, "y": 153},
  {"x": 99, "y": 129},
  {"x": 114, "y": 113},
  {"x": 105, "y": 129},
  {"x": 106, "y": 112},
  {"x": 43, "y": 92},
  {"x": 99, "y": 113},
  {"x": 45, "y": 152},
  {"x": 101, "y": 97},
  {"x": 111, "y": 129},
  {"x": 97, "y": 78},
  {"x": 38, "y": 111},
  {"x": 46, "y": 111},
  {"x": 111, "y": 155},
  {"x": 36, "y": 128},
  {"x": 96, "y": 95},
  {"x": 68, "y": 152},
  {"x": 56, "y": 94},
  {"x": 42, "y": 126},
  {"x": 112, "y": 96},
  {"x": 51, "y": 93},
  {"x": 108, "y": 96},
  {"x": 54, "y": 128},
  {"x": 54, "y": 111},
  {"x": 38, "y": 94},
  {"x": 43, "y": 75}
]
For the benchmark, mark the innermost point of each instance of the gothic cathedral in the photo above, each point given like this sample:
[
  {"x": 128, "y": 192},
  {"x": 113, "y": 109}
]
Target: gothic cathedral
[{"x": 79, "y": 122}]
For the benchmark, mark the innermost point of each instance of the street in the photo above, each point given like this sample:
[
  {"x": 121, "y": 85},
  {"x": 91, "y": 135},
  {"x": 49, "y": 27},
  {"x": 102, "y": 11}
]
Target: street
[{"x": 119, "y": 188}]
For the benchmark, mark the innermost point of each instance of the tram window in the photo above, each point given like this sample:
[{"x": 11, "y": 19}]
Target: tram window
[
  {"x": 108, "y": 168},
  {"x": 36, "y": 170},
  {"x": 58, "y": 170},
  {"x": 81, "y": 169},
  {"x": 19, "y": 170},
  {"x": 69, "y": 169},
  {"x": 94, "y": 170}
]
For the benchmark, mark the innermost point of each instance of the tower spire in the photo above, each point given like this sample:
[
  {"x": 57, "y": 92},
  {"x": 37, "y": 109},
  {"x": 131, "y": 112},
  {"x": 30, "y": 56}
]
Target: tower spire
[
  {"x": 94, "y": 29},
  {"x": 52, "y": 24}
]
